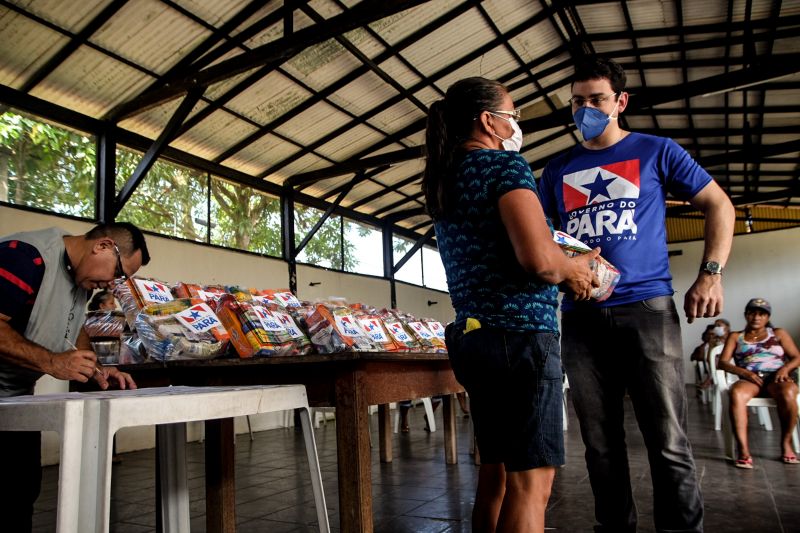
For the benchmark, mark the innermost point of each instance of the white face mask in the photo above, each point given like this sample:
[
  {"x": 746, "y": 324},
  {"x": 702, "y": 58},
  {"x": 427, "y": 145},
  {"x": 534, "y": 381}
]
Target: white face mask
[
  {"x": 719, "y": 331},
  {"x": 513, "y": 143}
]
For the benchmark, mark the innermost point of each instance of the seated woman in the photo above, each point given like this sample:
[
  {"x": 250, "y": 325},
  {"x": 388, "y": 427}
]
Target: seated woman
[{"x": 763, "y": 358}]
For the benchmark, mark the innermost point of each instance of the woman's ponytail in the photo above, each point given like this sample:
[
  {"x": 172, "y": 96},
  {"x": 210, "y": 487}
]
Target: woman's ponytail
[
  {"x": 450, "y": 124},
  {"x": 439, "y": 155}
]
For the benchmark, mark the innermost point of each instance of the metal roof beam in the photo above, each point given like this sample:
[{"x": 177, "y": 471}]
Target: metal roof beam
[
  {"x": 323, "y": 94},
  {"x": 59, "y": 114},
  {"x": 651, "y": 50},
  {"x": 156, "y": 149},
  {"x": 386, "y": 189},
  {"x": 326, "y": 215},
  {"x": 392, "y": 101},
  {"x": 74, "y": 43},
  {"x": 371, "y": 65},
  {"x": 410, "y": 253},
  {"x": 271, "y": 54},
  {"x": 755, "y": 152},
  {"x": 358, "y": 178},
  {"x": 353, "y": 165},
  {"x": 746, "y": 199},
  {"x": 766, "y": 68},
  {"x": 393, "y": 218},
  {"x": 394, "y": 205}
]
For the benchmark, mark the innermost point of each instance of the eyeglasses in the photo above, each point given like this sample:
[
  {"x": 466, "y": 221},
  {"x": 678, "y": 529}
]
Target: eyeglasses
[
  {"x": 119, "y": 273},
  {"x": 515, "y": 113},
  {"x": 596, "y": 101}
]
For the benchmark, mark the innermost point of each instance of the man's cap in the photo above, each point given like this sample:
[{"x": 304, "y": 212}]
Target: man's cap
[{"x": 759, "y": 303}]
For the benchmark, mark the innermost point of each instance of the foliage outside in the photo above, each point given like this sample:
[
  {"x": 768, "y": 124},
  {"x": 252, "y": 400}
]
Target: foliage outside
[
  {"x": 46, "y": 166},
  {"x": 52, "y": 168}
]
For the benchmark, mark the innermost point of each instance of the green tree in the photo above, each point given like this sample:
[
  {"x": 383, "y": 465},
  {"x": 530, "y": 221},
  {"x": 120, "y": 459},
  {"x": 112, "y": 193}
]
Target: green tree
[
  {"x": 46, "y": 166},
  {"x": 170, "y": 200},
  {"x": 49, "y": 167},
  {"x": 244, "y": 218}
]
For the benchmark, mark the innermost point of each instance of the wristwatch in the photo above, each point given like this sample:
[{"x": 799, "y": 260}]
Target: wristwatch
[{"x": 711, "y": 267}]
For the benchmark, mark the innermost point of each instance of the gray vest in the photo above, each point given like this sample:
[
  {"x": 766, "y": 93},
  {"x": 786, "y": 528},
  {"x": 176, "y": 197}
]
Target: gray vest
[{"x": 58, "y": 312}]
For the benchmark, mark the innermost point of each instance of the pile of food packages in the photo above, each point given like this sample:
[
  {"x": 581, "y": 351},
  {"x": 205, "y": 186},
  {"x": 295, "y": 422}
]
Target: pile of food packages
[{"x": 189, "y": 321}]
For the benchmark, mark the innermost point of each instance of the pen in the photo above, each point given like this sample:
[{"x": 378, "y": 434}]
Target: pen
[{"x": 72, "y": 344}]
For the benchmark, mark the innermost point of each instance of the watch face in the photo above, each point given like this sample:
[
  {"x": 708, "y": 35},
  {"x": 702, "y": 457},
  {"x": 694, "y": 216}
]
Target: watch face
[{"x": 712, "y": 266}]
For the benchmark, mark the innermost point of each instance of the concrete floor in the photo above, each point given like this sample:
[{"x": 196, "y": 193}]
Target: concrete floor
[{"x": 418, "y": 492}]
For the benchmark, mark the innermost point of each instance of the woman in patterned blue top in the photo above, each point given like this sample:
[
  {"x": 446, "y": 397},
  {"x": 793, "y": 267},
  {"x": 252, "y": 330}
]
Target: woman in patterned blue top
[{"x": 502, "y": 268}]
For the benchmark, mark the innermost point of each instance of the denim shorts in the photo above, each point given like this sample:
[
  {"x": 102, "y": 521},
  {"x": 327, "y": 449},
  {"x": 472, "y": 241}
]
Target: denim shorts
[{"x": 514, "y": 382}]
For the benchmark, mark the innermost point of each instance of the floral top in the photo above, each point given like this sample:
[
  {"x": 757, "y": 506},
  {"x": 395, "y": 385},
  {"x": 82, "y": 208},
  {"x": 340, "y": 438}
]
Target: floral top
[{"x": 760, "y": 356}]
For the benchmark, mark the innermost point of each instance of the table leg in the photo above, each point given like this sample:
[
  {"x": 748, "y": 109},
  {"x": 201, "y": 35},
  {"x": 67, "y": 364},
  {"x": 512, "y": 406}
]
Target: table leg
[
  {"x": 385, "y": 432},
  {"x": 172, "y": 477},
  {"x": 353, "y": 451},
  {"x": 449, "y": 415},
  {"x": 220, "y": 477}
]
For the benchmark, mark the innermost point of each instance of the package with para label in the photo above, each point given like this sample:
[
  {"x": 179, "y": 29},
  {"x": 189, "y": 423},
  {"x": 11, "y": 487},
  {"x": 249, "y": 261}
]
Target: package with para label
[
  {"x": 606, "y": 273},
  {"x": 193, "y": 332},
  {"x": 253, "y": 329},
  {"x": 135, "y": 293},
  {"x": 336, "y": 330}
]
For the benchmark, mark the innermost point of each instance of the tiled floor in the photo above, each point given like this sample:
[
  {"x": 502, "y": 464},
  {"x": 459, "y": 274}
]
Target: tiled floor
[{"x": 419, "y": 493}]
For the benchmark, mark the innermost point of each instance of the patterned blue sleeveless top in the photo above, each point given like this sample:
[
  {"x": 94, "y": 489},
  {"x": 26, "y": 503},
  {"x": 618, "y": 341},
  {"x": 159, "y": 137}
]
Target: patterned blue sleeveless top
[{"x": 483, "y": 275}]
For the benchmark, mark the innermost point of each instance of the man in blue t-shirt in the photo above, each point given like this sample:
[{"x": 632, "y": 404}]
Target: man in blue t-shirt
[{"x": 610, "y": 192}]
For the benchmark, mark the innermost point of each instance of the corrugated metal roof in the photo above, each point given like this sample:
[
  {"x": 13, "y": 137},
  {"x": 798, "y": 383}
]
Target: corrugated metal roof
[{"x": 324, "y": 104}]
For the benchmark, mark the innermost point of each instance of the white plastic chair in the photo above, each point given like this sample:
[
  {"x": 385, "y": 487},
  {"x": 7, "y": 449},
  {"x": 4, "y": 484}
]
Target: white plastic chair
[
  {"x": 701, "y": 374},
  {"x": 761, "y": 403},
  {"x": 428, "y": 411},
  {"x": 716, "y": 395}
]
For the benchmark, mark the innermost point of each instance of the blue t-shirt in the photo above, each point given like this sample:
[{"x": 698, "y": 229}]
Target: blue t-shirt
[
  {"x": 483, "y": 275},
  {"x": 615, "y": 198}
]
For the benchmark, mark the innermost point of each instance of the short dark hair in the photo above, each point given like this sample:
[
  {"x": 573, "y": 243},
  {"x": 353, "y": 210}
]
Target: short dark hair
[
  {"x": 594, "y": 68},
  {"x": 127, "y": 237}
]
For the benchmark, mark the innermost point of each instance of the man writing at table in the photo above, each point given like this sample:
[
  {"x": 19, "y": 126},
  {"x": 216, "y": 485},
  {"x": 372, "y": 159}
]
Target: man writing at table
[{"x": 45, "y": 279}]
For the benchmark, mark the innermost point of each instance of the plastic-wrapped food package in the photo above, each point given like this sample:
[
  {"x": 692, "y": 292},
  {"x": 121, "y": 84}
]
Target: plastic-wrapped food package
[
  {"x": 299, "y": 337},
  {"x": 607, "y": 274},
  {"x": 429, "y": 341},
  {"x": 400, "y": 333},
  {"x": 253, "y": 329},
  {"x": 205, "y": 293},
  {"x": 283, "y": 297},
  {"x": 181, "y": 329},
  {"x": 135, "y": 293},
  {"x": 375, "y": 329},
  {"x": 131, "y": 351},
  {"x": 437, "y": 329},
  {"x": 336, "y": 330},
  {"x": 104, "y": 324}
]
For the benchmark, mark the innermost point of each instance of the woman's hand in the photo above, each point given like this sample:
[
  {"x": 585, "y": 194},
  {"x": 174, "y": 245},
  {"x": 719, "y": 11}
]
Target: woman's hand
[
  {"x": 582, "y": 280},
  {"x": 751, "y": 377},
  {"x": 782, "y": 375}
]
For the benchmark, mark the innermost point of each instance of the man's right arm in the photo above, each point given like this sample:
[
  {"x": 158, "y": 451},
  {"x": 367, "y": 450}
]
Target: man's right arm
[
  {"x": 16, "y": 349},
  {"x": 21, "y": 272}
]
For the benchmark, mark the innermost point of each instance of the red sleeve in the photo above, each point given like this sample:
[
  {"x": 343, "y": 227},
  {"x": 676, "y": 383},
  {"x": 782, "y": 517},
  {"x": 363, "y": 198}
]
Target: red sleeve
[{"x": 21, "y": 273}]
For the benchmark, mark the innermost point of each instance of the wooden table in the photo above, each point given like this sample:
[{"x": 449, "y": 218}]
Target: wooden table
[{"x": 350, "y": 382}]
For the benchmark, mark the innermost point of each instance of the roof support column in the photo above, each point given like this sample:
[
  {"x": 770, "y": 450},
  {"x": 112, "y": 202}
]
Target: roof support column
[
  {"x": 288, "y": 248},
  {"x": 388, "y": 262},
  {"x": 105, "y": 186}
]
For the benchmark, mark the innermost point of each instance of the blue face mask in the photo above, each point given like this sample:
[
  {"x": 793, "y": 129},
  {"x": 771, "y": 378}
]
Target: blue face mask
[{"x": 592, "y": 122}]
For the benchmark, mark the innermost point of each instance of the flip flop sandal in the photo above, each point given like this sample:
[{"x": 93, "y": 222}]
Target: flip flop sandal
[
  {"x": 744, "y": 462},
  {"x": 790, "y": 460}
]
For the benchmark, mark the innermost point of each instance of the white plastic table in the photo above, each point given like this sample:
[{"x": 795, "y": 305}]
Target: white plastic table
[
  {"x": 88, "y": 421},
  {"x": 64, "y": 414}
]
